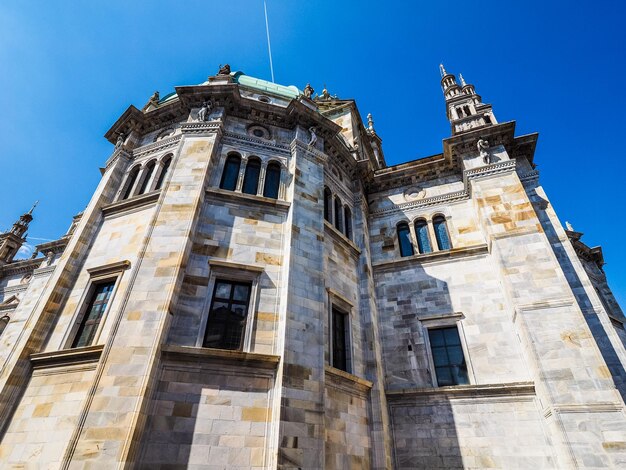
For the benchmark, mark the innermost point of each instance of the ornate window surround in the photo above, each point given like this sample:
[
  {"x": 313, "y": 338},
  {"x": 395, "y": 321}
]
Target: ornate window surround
[
  {"x": 108, "y": 272},
  {"x": 432, "y": 322},
  {"x": 233, "y": 271}
]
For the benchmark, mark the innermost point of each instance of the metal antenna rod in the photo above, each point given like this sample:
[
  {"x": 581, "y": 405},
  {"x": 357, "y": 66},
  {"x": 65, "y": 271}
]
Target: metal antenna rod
[{"x": 269, "y": 47}]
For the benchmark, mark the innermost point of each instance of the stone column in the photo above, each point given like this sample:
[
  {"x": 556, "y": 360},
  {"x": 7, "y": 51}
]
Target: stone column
[
  {"x": 301, "y": 435},
  {"x": 127, "y": 370},
  {"x": 583, "y": 411}
]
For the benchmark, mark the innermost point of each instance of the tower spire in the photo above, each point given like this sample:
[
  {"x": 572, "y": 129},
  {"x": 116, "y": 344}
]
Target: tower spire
[
  {"x": 464, "y": 107},
  {"x": 12, "y": 240}
]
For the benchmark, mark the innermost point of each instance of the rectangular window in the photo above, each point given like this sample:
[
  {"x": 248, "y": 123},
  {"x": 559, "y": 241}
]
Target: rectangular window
[
  {"x": 96, "y": 306},
  {"x": 448, "y": 357},
  {"x": 228, "y": 315},
  {"x": 341, "y": 340}
]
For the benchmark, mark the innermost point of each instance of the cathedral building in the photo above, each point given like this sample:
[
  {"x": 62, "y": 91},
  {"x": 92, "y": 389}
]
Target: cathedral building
[{"x": 251, "y": 286}]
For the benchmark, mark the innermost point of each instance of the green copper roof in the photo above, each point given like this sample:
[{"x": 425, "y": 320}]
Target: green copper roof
[
  {"x": 263, "y": 86},
  {"x": 290, "y": 91}
]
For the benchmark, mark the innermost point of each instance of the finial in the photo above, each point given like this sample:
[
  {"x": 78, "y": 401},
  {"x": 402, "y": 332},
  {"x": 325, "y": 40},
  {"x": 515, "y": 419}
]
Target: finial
[
  {"x": 442, "y": 70},
  {"x": 569, "y": 227},
  {"x": 33, "y": 208},
  {"x": 370, "y": 122},
  {"x": 462, "y": 80}
]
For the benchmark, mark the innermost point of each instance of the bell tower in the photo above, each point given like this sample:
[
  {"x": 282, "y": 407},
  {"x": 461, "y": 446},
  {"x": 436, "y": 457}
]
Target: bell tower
[
  {"x": 12, "y": 240},
  {"x": 464, "y": 107}
]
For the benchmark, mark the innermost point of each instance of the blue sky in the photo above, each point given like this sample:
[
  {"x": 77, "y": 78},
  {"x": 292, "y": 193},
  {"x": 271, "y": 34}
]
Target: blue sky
[{"x": 69, "y": 69}]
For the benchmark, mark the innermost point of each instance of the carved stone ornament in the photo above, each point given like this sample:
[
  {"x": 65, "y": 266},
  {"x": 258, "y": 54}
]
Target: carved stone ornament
[
  {"x": 313, "y": 140},
  {"x": 413, "y": 193},
  {"x": 203, "y": 114},
  {"x": 120, "y": 141},
  {"x": 483, "y": 149}
]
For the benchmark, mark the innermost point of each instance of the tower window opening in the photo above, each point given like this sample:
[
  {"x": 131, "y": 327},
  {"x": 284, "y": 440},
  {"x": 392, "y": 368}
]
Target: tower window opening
[
  {"x": 328, "y": 197},
  {"x": 441, "y": 233},
  {"x": 404, "y": 239},
  {"x": 165, "y": 168},
  {"x": 272, "y": 180},
  {"x": 147, "y": 176},
  {"x": 421, "y": 232},
  {"x": 230, "y": 174},
  {"x": 251, "y": 176}
]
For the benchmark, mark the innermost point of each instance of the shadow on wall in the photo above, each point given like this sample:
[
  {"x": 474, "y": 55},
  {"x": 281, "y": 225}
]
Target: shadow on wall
[
  {"x": 616, "y": 368},
  {"x": 201, "y": 416},
  {"x": 424, "y": 430}
]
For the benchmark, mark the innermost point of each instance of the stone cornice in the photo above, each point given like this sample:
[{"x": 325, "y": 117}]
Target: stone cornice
[
  {"x": 66, "y": 357},
  {"x": 202, "y": 128},
  {"x": 55, "y": 246},
  {"x": 251, "y": 142},
  {"x": 342, "y": 239},
  {"x": 448, "y": 255},
  {"x": 13, "y": 290},
  {"x": 157, "y": 146},
  {"x": 40, "y": 272},
  {"x": 220, "y": 357},
  {"x": 514, "y": 389},
  {"x": 20, "y": 267},
  {"x": 135, "y": 202},
  {"x": 346, "y": 382},
  {"x": 241, "y": 198},
  {"x": 506, "y": 166},
  {"x": 307, "y": 149},
  {"x": 428, "y": 201}
]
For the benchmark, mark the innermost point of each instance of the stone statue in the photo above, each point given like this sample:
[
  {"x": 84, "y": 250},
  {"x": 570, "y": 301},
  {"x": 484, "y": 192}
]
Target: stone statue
[
  {"x": 325, "y": 95},
  {"x": 155, "y": 97},
  {"x": 313, "y": 140},
  {"x": 204, "y": 111},
  {"x": 569, "y": 227},
  {"x": 224, "y": 70},
  {"x": 370, "y": 123},
  {"x": 308, "y": 91},
  {"x": 48, "y": 260},
  {"x": 483, "y": 149},
  {"x": 120, "y": 141}
]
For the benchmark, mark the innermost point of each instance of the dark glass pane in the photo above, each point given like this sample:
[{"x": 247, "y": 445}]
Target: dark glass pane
[
  {"x": 251, "y": 177},
  {"x": 130, "y": 183},
  {"x": 93, "y": 314},
  {"x": 227, "y": 317},
  {"x": 148, "y": 175},
  {"x": 423, "y": 242},
  {"x": 444, "y": 377},
  {"x": 163, "y": 174},
  {"x": 327, "y": 204},
  {"x": 455, "y": 355},
  {"x": 406, "y": 248},
  {"x": 440, "y": 358},
  {"x": 452, "y": 336},
  {"x": 231, "y": 173},
  {"x": 459, "y": 374},
  {"x": 448, "y": 356},
  {"x": 348, "y": 223},
  {"x": 222, "y": 290},
  {"x": 340, "y": 342},
  {"x": 338, "y": 215},
  {"x": 443, "y": 242},
  {"x": 436, "y": 338},
  {"x": 241, "y": 292},
  {"x": 272, "y": 181}
]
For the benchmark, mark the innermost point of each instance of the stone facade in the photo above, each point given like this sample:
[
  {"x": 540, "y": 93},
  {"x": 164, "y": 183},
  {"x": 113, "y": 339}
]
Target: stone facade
[{"x": 431, "y": 314}]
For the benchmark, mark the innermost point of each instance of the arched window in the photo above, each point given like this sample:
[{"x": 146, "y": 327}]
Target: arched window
[
  {"x": 338, "y": 214},
  {"x": 147, "y": 176},
  {"x": 328, "y": 198},
  {"x": 165, "y": 168},
  {"x": 441, "y": 232},
  {"x": 272, "y": 180},
  {"x": 231, "y": 172},
  {"x": 347, "y": 220},
  {"x": 404, "y": 239},
  {"x": 421, "y": 232},
  {"x": 4, "y": 321},
  {"x": 130, "y": 182},
  {"x": 251, "y": 176}
]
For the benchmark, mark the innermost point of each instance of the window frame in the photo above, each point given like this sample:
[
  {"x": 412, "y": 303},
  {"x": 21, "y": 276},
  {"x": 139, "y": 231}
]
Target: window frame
[
  {"x": 99, "y": 275},
  {"x": 234, "y": 272},
  {"x": 252, "y": 161},
  {"x": 447, "y": 231},
  {"x": 339, "y": 303},
  {"x": 423, "y": 223},
  {"x": 437, "y": 322},
  {"x": 408, "y": 229},
  {"x": 272, "y": 165},
  {"x": 232, "y": 156},
  {"x": 4, "y": 323}
]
